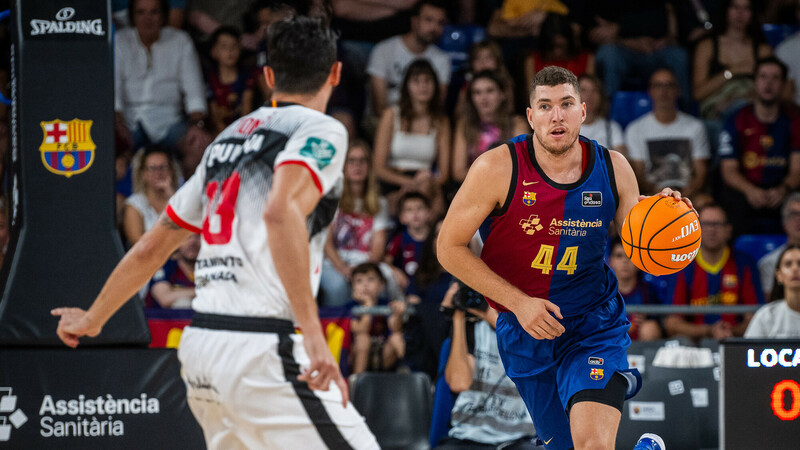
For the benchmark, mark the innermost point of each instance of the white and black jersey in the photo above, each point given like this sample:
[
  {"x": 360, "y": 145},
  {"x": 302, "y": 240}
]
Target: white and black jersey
[{"x": 224, "y": 201}]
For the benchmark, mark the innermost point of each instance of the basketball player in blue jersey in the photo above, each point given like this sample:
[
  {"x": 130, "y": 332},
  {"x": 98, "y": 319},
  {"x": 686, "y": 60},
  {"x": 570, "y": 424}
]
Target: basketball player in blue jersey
[{"x": 562, "y": 331}]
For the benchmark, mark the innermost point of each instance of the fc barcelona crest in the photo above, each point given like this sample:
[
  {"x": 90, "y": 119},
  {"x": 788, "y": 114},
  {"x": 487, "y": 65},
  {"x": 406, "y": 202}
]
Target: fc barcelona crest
[
  {"x": 596, "y": 374},
  {"x": 67, "y": 147},
  {"x": 529, "y": 198}
]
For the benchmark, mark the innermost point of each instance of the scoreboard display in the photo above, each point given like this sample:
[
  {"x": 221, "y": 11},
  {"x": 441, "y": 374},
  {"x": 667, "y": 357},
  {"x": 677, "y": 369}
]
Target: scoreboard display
[{"x": 760, "y": 393}]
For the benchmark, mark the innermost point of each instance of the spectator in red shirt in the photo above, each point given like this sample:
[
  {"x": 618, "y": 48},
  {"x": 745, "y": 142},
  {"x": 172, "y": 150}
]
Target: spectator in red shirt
[
  {"x": 230, "y": 86},
  {"x": 718, "y": 276}
]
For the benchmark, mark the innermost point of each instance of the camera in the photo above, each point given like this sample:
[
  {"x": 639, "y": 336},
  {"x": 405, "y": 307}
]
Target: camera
[{"x": 468, "y": 298}]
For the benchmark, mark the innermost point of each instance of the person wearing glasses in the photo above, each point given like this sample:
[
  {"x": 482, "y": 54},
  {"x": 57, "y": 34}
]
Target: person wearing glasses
[{"x": 155, "y": 179}]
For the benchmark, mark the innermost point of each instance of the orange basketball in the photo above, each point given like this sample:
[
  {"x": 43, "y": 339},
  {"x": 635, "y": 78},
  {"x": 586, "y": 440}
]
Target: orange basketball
[{"x": 661, "y": 235}]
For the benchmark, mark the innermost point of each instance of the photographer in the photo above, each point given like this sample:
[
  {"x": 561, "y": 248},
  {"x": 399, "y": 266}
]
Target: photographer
[{"x": 489, "y": 412}]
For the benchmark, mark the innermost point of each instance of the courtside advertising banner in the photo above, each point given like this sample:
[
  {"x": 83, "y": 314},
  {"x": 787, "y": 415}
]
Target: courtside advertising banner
[{"x": 94, "y": 399}]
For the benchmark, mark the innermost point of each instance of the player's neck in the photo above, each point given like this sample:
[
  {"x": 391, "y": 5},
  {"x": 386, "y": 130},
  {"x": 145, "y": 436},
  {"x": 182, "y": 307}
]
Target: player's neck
[
  {"x": 317, "y": 101},
  {"x": 562, "y": 168}
]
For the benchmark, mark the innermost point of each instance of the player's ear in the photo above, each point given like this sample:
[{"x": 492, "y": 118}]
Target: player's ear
[
  {"x": 335, "y": 74},
  {"x": 269, "y": 77}
]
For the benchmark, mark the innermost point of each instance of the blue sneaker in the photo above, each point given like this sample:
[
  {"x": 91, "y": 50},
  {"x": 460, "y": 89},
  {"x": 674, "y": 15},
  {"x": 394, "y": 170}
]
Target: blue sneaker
[{"x": 650, "y": 441}]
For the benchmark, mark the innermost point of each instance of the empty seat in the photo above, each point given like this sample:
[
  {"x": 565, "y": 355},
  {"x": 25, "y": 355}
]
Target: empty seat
[
  {"x": 627, "y": 106},
  {"x": 776, "y": 33},
  {"x": 457, "y": 40},
  {"x": 396, "y": 406},
  {"x": 758, "y": 245}
]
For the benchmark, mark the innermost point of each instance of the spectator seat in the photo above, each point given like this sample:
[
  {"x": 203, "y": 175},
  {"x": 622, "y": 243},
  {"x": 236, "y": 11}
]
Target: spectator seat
[
  {"x": 627, "y": 106},
  {"x": 396, "y": 406},
  {"x": 776, "y": 33},
  {"x": 457, "y": 40},
  {"x": 758, "y": 245}
]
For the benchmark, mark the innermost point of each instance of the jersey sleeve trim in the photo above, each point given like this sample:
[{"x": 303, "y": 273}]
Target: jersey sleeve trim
[
  {"x": 180, "y": 222},
  {"x": 313, "y": 174},
  {"x": 512, "y": 188}
]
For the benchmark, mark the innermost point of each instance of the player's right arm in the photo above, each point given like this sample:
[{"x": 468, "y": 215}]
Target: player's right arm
[
  {"x": 133, "y": 271},
  {"x": 484, "y": 189}
]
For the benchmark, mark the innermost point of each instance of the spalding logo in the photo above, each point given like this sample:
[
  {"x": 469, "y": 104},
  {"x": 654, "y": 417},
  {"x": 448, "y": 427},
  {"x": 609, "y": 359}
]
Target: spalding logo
[{"x": 683, "y": 256}]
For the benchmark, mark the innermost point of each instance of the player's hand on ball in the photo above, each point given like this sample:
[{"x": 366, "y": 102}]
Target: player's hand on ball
[
  {"x": 73, "y": 325},
  {"x": 668, "y": 192},
  {"x": 323, "y": 368},
  {"x": 536, "y": 318}
]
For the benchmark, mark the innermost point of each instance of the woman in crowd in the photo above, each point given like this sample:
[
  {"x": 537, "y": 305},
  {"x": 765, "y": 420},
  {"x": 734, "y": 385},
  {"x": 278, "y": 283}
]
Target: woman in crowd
[
  {"x": 780, "y": 318},
  {"x": 230, "y": 87},
  {"x": 413, "y": 138},
  {"x": 724, "y": 62},
  {"x": 485, "y": 55},
  {"x": 485, "y": 122},
  {"x": 635, "y": 291},
  {"x": 559, "y": 47},
  {"x": 597, "y": 125},
  {"x": 155, "y": 179},
  {"x": 360, "y": 230}
]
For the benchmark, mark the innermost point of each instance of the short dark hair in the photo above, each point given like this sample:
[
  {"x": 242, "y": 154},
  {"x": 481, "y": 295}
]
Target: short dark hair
[
  {"x": 433, "y": 3},
  {"x": 368, "y": 267},
  {"x": 412, "y": 195},
  {"x": 554, "y": 76},
  {"x": 301, "y": 52},
  {"x": 163, "y": 5},
  {"x": 772, "y": 60}
]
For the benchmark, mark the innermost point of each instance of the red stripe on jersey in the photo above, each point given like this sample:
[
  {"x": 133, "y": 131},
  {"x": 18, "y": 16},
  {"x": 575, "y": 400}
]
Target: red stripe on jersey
[
  {"x": 180, "y": 222},
  {"x": 310, "y": 170}
]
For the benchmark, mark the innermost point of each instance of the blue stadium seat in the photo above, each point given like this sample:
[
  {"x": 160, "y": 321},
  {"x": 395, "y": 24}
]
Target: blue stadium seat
[
  {"x": 457, "y": 41},
  {"x": 776, "y": 33},
  {"x": 758, "y": 245},
  {"x": 627, "y": 106}
]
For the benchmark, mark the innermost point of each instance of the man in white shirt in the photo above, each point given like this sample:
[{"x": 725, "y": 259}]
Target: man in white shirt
[
  {"x": 790, "y": 214},
  {"x": 389, "y": 59},
  {"x": 666, "y": 147},
  {"x": 789, "y": 52},
  {"x": 158, "y": 82}
]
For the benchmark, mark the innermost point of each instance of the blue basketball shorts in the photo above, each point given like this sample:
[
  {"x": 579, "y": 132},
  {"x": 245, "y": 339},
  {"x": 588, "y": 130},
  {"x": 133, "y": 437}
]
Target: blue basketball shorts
[{"x": 548, "y": 373}]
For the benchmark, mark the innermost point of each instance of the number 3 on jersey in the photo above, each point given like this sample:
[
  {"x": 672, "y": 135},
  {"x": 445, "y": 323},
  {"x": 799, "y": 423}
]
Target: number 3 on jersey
[
  {"x": 218, "y": 224},
  {"x": 544, "y": 260}
]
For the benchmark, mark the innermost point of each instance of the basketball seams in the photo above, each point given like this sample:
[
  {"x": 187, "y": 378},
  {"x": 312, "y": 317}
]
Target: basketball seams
[
  {"x": 641, "y": 231},
  {"x": 627, "y": 237}
]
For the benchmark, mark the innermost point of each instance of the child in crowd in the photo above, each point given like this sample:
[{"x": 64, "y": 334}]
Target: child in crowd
[
  {"x": 405, "y": 249},
  {"x": 377, "y": 341},
  {"x": 230, "y": 87},
  {"x": 172, "y": 286},
  {"x": 635, "y": 291}
]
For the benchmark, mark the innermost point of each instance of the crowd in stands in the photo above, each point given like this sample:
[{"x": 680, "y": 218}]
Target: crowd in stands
[{"x": 721, "y": 125}]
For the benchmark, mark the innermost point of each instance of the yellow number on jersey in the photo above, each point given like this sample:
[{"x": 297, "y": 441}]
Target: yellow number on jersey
[
  {"x": 544, "y": 259},
  {"x": 569, "y": 262}
]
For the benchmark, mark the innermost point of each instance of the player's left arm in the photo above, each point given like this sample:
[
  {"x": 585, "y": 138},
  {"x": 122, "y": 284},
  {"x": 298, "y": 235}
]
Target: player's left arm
[
  {"x": 133, "y": 271},
  {"x": 628, "y": 188},
  {"x": 293, "y": 197}
]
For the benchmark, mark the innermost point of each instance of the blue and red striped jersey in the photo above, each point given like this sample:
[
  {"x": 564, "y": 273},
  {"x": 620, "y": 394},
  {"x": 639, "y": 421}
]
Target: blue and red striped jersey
[
  {"x": 549, "y": 239},
  {"x": 763, "y": 149},
  {"x": 733, "y": 280}
]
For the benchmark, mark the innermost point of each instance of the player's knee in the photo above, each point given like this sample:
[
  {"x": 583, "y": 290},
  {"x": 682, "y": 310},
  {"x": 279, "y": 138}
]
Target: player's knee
[{"x": 592, "y": 442}]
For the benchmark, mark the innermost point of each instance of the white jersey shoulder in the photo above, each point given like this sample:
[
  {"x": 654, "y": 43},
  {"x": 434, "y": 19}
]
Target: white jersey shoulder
[{"x": 224, "y": 201}]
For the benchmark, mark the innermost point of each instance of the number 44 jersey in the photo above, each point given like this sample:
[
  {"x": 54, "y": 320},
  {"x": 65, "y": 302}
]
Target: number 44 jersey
[{"x": 225, "y": 198}]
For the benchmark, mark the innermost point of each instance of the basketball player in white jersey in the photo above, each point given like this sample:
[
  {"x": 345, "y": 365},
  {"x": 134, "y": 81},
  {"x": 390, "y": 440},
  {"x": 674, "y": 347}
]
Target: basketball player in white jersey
[{"x": 262, "y": 199}]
